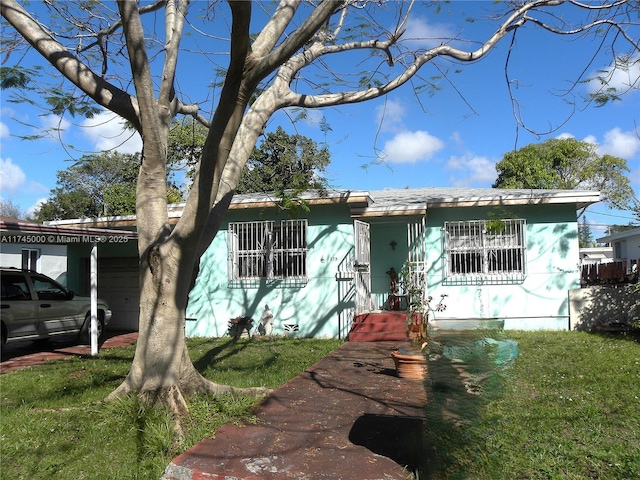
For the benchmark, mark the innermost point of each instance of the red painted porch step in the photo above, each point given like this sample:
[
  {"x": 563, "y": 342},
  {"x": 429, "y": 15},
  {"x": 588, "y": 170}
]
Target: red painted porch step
[{"x": 379, "y": 326}]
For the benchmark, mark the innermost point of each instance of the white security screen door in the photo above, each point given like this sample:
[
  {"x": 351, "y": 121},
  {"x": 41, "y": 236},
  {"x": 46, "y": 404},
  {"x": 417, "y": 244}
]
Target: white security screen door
[
  {"x": 362, "y": 266},
  {"x": 417, "y": 261}
]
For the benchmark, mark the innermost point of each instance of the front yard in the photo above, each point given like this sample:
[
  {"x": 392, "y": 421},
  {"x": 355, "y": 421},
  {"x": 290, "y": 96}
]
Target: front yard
[{"x": 569, "y": 407}]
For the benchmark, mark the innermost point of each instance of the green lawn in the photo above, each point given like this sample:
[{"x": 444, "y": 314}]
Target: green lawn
[
  {"x": 54, "y": 424},
  {"x": 568, "y": 408}
]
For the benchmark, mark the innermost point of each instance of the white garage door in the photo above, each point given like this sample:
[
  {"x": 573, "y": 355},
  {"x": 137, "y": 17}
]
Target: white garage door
[{"x": 119, "y": 285}]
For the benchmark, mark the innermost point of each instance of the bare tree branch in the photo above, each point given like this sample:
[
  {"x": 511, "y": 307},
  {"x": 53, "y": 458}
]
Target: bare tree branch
[{"x": 101, "y": 91}]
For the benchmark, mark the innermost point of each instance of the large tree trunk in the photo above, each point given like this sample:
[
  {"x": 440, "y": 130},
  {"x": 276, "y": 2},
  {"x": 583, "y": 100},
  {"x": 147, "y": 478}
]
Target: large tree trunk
[{"x": 162, "y": 369}]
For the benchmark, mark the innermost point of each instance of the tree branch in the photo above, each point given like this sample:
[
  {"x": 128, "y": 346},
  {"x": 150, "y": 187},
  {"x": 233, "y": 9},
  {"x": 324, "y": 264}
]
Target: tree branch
[
  {"x": 299, "y": 37},
  {"x": 584, "y": 28},
  {"x": 151, "y": 192},
  {"x": 287, "y": 72},
  {"x": 224, "y": 126},
  {"x": 276, "y": 26},
  {"x": 96, "y": 87},
  {"x": 174, "y": 24}
]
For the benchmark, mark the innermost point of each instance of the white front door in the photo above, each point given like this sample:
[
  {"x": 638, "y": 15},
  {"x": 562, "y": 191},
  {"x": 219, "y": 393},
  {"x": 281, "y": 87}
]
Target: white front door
[{"x": 362, "y": 267}]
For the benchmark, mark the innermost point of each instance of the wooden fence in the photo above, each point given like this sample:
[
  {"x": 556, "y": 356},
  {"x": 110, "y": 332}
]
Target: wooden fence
[{"x": 610, "y": 273}]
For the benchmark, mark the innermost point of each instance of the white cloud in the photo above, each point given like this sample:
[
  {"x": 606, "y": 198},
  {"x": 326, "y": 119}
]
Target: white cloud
[
  {"x": 411, "y": 147},
  {"x": 54, "y": 122},
  {"x": 620, "y": 77},
  {"x": 616, "y": 142},
  {"x": 12, "y": 178},
  {"x": 422, "y": 34},
  {"x": 106, "y": 131},
  {"x": 473, "y": 170},
  {"x": 456, "y": 138},
  {"x": 4, "y": 130},
  {"x": 314, "y": 116},
  {"x": 565, "y": 136},
  {"x": 620, "y": 144},
  {"x": 36, "y": 206}
]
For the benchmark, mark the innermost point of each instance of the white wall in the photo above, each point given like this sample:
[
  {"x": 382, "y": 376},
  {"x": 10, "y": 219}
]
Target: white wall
[{"x": 52, "y": 261}]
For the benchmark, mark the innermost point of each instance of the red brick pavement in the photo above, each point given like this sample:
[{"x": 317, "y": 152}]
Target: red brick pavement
[{"x": 26, "y": 354}]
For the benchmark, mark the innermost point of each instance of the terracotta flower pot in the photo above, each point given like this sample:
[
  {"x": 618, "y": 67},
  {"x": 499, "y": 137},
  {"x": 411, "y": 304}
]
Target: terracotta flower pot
[{"x": 410, "y": 365}]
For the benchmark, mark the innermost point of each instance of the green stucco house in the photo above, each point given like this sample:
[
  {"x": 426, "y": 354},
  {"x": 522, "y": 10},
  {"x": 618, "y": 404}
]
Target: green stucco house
[{"x": 510, "y": 255}]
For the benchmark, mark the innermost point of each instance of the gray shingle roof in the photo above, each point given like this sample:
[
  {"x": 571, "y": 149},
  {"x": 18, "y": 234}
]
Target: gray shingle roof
[{"x": 425, "y": 198}]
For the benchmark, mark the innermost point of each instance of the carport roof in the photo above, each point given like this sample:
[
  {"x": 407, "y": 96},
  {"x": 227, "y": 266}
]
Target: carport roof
[{"x": 56, "y": 233}]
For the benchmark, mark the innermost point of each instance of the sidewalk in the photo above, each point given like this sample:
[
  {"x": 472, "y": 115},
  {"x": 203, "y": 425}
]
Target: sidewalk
[{"x": 347, "y": 417}]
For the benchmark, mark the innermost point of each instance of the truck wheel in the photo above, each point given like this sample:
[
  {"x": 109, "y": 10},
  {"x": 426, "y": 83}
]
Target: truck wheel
[{"x": 85, "y": 333}]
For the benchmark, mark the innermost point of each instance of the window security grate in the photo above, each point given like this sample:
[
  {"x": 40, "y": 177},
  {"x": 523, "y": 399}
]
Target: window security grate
[
  {"x": 491, "y": 249},
  {"x": 267, "y": 250}
]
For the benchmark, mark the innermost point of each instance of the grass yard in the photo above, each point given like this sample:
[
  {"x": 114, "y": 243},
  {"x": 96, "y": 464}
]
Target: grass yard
[
  {"x": 568, "y": 408},
  {"x": 54, "y": 424}
]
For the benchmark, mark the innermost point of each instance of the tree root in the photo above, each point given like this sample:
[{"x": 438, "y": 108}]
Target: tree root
[
  {"x": 172, "y": 393},
  {"x": 173, "y": 396}
]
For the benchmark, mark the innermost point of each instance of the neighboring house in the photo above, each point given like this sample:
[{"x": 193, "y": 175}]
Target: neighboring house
[
  {"x": 506, "y": 254},
  {"x": 592, "y": 255},
  {"x": 17, "y": 252},
  {"x": 62, "y": 251},
  {"x": 626, "y": 246}
]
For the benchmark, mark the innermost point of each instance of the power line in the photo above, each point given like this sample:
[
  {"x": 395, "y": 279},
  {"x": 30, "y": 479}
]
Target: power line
[{"x": 609, "y": 215}]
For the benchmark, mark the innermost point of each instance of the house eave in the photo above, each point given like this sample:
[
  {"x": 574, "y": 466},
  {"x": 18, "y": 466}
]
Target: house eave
[
  {"x": 264, "y": 200},
  {"x": 619, "y": 236},
  {"x": 407, "y": 202},
  {"x": 388, "y": 212},
  {"x": 580, "y": 201},
  {"x": 57, "y": 232}
]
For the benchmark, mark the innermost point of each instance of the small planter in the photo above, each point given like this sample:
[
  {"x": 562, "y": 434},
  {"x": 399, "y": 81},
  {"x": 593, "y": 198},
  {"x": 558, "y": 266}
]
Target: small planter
[
  {"x": 410, "y": 364},
  {"x": 240, "y": 327}
]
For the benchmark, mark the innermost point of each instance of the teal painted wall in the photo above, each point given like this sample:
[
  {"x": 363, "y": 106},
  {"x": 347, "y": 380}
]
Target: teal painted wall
[
  {"x": 321, "y": 308},
  {"x": 324, "y": 306},
  {"x": 538, "y": 302}
]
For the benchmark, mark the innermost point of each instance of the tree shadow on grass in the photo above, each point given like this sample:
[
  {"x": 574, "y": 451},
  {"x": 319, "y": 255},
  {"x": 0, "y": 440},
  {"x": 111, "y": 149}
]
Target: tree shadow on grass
[{"x": 215, "y": 355}]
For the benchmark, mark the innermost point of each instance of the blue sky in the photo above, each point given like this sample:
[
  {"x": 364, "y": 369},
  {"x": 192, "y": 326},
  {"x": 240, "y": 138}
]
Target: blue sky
[{"x": 451, "y": 138}]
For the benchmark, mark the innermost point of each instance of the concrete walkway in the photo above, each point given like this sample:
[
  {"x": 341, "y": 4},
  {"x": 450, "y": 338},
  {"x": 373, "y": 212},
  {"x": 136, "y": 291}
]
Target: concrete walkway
[{"x": 347, "y": 417}]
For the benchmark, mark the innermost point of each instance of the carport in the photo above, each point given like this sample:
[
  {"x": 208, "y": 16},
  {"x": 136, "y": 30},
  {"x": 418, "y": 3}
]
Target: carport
[{"x": 29, "y": 234}]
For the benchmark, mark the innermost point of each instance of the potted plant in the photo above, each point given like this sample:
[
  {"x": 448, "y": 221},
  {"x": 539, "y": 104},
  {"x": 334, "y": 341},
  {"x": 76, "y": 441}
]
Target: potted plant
[
  {"x": 239, "y": 327},
  {"x": 410, "y": 360},
  {"x": 413, "y": 285}
]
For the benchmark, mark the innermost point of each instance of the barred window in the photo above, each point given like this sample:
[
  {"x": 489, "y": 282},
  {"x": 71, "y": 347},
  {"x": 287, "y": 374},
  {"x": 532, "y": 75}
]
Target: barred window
[
  {"x": 267, "y": 250},
  {"x": 485, "y": 248}
]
